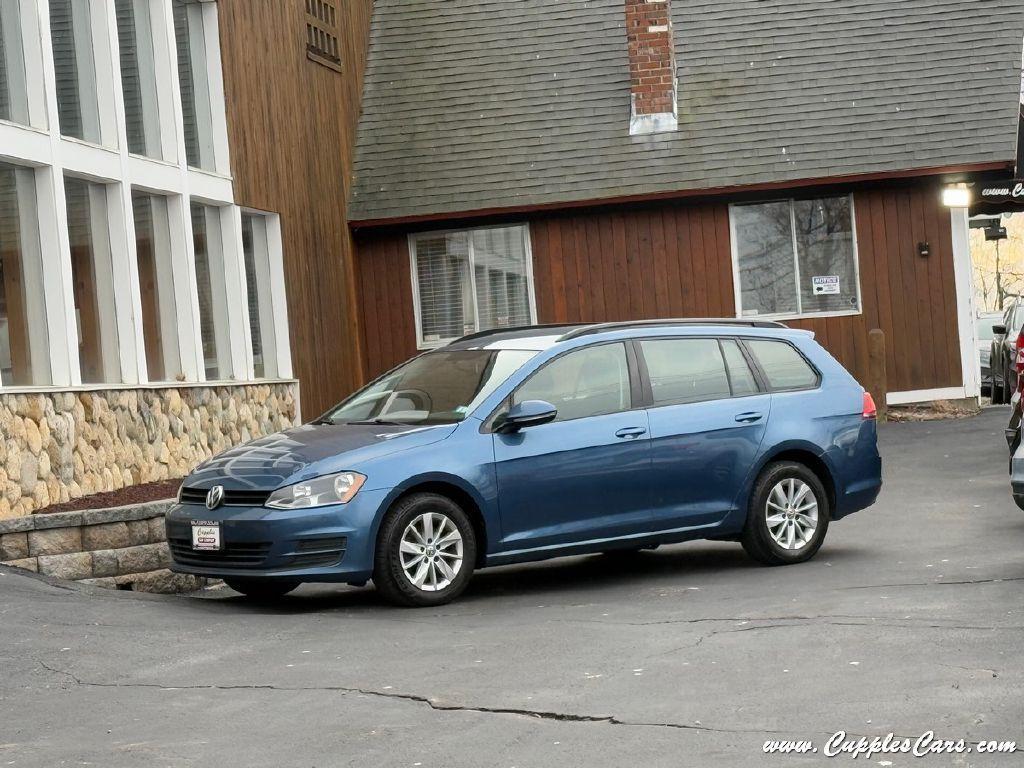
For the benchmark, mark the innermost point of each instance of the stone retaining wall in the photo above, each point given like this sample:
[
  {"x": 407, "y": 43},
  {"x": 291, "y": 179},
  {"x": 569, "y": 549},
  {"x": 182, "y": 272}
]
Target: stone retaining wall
[
  {"x": 57, "y": 446},
  {"x": 121, "y": 547}
]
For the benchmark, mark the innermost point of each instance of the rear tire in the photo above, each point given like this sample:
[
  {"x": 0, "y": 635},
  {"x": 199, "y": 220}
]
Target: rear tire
[
  {"x": 425, "y": 552},
  {"x": 262, "y": 589},
  {"x": 787, "y": 516}
]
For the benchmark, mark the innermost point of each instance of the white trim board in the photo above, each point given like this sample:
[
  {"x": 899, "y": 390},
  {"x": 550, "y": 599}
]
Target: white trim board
[
  {"x": 925, "y": 395},
  {"x": 967, "y": 326}
]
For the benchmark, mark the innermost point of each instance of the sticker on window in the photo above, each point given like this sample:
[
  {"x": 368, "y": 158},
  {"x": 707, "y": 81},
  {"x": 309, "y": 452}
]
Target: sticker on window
[{"x": 823, "y": 284}]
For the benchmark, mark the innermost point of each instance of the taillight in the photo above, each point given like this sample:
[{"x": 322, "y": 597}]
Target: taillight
[
  {"x": 1018, "y": 363},
  {"x": 870, "y": 411}
]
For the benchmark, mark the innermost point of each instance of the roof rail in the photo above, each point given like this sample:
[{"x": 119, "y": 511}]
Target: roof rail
[
  {"x": 626, "y": 324},
  {"x": 513, "y": 329}
]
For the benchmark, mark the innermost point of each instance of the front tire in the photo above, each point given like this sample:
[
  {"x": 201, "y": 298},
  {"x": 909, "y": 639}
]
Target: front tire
[
  {"x": 261, "y": 589},
  {"x": 425, "y": 552},
  {"x": 787, "y": 516}
]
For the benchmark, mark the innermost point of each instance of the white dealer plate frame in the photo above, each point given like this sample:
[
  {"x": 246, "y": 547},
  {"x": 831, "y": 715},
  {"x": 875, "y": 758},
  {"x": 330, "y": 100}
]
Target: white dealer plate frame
[{"x": 206, "y": 536}]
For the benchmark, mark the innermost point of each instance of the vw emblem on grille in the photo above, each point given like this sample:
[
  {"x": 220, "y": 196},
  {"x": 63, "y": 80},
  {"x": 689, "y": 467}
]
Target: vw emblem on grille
[{"x": 214, "y": 497}]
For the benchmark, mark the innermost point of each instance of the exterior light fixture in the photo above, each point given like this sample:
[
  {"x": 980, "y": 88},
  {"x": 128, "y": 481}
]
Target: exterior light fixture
[{"x": 956, "y": 197}]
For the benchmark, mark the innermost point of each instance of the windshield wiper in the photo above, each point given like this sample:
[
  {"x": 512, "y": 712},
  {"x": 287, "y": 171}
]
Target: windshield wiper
[
  {"x": 383, "y": 422},
  {"x": 321, "y": 421}
]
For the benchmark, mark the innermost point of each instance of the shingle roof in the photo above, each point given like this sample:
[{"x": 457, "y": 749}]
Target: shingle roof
[{"x": 484, "y": 104}]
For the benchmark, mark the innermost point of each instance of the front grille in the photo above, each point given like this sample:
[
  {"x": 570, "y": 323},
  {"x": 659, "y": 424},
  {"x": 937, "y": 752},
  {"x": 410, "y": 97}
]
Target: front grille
[
  {"x": 232, "y": 498},
  {"x": 234, "y": 555}
]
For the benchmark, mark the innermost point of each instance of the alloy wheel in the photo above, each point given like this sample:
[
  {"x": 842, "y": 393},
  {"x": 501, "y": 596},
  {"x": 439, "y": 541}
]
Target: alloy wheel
[
  {"x": 792, "y": 513},
  {"x": 431, "y": 551}
]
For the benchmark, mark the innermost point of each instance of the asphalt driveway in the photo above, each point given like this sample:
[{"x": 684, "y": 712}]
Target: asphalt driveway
[{"x": 909, "y": 620}]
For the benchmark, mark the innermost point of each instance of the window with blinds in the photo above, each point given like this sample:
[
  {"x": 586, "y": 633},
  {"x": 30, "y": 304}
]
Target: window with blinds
[
  {"x": 138, "y": 76},
  {"x": 75, "y": 69},
  {"x": 190, "y": 39},
  {"x": 469, "y": 281},
  {"x": 13, "y": 85}
]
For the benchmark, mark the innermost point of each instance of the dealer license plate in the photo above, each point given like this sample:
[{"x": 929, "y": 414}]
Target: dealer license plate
[{"x": 205, "y": 535}]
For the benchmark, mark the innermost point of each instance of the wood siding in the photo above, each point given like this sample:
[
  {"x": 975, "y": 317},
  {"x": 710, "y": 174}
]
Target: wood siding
[
  {"x": 675, "y": 261},
  {"x": 291, "y": 125}
]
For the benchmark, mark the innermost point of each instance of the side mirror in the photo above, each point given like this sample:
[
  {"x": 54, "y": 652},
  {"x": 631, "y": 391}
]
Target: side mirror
[
  {"x": 529, "y": 413},
  {"x": 999, "y": 330}
]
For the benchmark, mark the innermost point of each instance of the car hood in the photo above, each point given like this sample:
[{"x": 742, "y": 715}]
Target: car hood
[{"x": 308, "y": 451}]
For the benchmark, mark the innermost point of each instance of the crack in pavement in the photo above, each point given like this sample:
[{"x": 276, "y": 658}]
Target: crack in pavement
[
  {"x": 434, "y": 704},
  {"x": 807, "y": 621},
  {"x": 936, "y": 583}
]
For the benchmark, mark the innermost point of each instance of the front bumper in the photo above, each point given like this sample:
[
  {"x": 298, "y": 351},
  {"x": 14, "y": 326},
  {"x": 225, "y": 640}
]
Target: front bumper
[{"x": 325, "y": 544}]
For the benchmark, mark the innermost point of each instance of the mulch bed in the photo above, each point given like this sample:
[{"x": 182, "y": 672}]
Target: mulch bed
[
  {"x": 133, "y": 494},
  {"x": 935, "y": 411}
]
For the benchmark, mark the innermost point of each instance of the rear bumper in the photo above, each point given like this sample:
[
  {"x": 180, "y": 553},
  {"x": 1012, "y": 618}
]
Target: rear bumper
[
  {"x": 859, "y": 495},
  {"x": 325, "y": 544},
  {"x": 857, "y": 470}
]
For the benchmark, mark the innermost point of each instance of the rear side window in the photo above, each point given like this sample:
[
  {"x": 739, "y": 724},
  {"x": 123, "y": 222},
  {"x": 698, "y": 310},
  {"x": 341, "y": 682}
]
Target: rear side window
[
  {"x": 588, "y": 382},
  {"x": 784, "y": 367},
  {"x": 740, "y": 375},
  {"x": 685, "y": 370}
]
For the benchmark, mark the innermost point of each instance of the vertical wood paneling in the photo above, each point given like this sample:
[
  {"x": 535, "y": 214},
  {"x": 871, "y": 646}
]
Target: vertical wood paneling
[
  {"x": 291, "y": 124},
  {"x": 675, "y": 261}
]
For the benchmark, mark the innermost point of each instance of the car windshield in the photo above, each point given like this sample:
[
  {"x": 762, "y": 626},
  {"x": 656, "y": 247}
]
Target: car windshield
[{"x": 436, "y": 388}]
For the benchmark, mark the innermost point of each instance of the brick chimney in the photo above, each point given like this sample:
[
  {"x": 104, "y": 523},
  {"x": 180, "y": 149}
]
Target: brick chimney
[{"x": 652, "y": 66}]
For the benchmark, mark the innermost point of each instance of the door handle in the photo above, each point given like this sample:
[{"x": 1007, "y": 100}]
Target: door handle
[
  {"x": 630, "y": 433},
  {"x": 749, "y": 417}
]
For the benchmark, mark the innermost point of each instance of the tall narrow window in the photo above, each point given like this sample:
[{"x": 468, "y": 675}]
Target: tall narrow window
[
  {"x": 93, "y": 280},
  {"x": 256, "y": 249},
  {"x": 193, "y": 76},
  {"x": 23, "y": 341},
  {"x": 470, "y": 281},
  {"x": 156, "y": 286},
  {"x": 77, "y": 105},
  {"x": 209, "y": 260},
  {"x": 138, "y": 76},
  {"x": 13, "y": 81}
]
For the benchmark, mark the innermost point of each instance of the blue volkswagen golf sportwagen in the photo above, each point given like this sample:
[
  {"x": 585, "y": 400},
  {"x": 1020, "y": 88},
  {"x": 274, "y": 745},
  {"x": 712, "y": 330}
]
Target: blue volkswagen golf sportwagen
[{"x": 523, "y": 444}]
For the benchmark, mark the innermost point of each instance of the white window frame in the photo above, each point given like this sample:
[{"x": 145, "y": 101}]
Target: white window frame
[
  {"x": 33, "y": 55},
  {"x": 32, "y": 272},
  {"x": 53, "y": 156},
  {"x": 414, "y": 276},
  {"x": 799, "y": 314},
  {"x": 273, "y": 304}
]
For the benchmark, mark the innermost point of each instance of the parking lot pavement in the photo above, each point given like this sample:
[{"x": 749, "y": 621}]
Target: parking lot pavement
[{"x": 910, "y": 619}]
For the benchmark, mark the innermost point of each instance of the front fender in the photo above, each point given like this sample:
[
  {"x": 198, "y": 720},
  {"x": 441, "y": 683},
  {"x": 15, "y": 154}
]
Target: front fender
[{"x": 484, "y": 500}]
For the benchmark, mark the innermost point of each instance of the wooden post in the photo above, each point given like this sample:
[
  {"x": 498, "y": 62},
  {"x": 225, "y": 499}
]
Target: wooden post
[{"x": 876, "y": 383}]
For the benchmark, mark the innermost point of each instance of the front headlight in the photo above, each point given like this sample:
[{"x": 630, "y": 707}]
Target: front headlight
[{"x": 318, "y": 492}]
